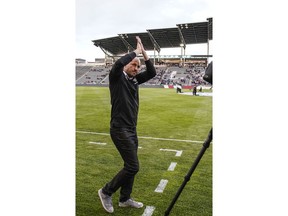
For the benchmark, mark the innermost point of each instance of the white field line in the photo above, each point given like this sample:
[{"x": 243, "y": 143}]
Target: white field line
[
  {"x": 148, "y": 211},
  {"x": 98, "y": 143},
  {"x": 161, "y": 186},
  {"x": 141, "y": 137},
  {"x": 178, "y": 152},
  {"x": 172, "y": 166}
]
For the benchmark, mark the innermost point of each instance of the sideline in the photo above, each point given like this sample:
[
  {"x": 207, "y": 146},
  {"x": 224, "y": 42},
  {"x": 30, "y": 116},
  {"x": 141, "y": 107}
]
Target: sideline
[{"x": 141, "y": 137}]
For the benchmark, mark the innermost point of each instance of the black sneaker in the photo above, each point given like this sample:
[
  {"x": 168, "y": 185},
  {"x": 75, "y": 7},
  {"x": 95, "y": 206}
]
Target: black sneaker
[
  {"x": 131, "y": 203},
  {"x": 106, "y": 201}
]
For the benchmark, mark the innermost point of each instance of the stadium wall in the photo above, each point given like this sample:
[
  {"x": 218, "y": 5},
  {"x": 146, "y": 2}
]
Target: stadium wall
[{"x": 107, "y": 85}]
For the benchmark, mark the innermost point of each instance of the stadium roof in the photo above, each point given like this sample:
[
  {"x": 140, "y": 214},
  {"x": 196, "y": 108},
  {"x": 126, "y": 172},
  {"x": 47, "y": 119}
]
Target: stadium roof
[{"x": 184, "y": 34}]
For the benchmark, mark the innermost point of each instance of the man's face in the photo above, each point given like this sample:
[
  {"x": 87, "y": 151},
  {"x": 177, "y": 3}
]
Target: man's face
[{"x": 133, "y": 67}]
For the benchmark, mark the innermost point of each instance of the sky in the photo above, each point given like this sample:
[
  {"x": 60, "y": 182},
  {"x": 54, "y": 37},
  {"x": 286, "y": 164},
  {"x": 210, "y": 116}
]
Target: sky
[{"x": 109, "y": 18}]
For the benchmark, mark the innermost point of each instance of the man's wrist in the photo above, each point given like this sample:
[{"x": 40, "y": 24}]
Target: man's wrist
[
  {"x": 145, "y": 56},
  {"x": 137, "y": 52}
]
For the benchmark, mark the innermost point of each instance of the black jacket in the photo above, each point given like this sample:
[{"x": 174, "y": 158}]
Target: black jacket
[{"x": 124, "y": 92}]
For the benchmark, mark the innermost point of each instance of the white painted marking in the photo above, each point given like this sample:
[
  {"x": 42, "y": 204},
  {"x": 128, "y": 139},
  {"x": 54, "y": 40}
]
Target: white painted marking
[
  {"x": 98, "y": 143},
  {"x": 172, "y": 166},
  {"x": 198, "y": 93},
  {"x": 178, "y": 152},
  {"x": 166, "y": 139},
  {"x": 88, "y": 132},
  {"x": 161, "y": 186},
  {"x": 139, "y": 147},
  {"x": 148, "y": 211},
  {"x": 155, "y": 138}
]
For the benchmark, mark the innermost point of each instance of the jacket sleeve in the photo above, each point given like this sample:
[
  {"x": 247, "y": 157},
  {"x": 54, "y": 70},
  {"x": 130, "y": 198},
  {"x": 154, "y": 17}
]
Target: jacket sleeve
[
  {"x": 148, "y": 74},
  {"x": 117, "y": 68}
]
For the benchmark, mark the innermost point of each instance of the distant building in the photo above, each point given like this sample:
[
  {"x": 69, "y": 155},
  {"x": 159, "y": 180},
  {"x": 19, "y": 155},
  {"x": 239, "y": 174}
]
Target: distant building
[
  {"x": 100, "y": 60},
  {"x": 79, "y": 60}
]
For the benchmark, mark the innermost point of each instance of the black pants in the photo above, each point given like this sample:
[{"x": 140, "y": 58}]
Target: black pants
[{"x": 126, "y": 142}]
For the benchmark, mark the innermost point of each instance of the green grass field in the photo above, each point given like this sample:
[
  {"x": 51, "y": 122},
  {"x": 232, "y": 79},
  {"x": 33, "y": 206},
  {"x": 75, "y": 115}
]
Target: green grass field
[{"x": 162, "y": 114}]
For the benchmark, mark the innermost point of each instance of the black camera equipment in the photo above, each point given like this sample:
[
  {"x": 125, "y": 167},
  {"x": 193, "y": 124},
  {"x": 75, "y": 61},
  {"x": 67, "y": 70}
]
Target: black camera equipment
[
  {"x": 208, "y": 73},
  {"x": 207, "y": 77}
]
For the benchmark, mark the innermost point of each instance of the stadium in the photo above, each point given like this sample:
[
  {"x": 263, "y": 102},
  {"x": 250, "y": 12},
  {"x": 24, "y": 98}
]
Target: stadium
[{"x": 172, "y": 124}]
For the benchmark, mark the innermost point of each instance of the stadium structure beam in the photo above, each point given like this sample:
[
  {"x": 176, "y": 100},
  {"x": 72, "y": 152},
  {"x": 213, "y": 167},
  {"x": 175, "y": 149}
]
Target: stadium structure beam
[
  {"x": 155, "y": 44},
  {"x": 194, "y": 34},
  {"x": 129, "y": 46},
  {"x": 181, "y": 37},
  {"x": 210, "y": 28},
  {"x": 107, "y": 54},
  {"x": 182, "y": 45},
  {"x": 182, "y": 58},
  {"x": 209, "y": 31}
]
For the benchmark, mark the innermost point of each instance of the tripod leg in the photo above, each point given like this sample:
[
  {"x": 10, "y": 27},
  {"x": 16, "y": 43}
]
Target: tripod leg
[{"x": 206, "y": 144}]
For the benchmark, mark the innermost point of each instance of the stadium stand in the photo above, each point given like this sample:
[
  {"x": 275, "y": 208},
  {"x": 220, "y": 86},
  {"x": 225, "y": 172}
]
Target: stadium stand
[
  {"x": 91, "y": 74},
  {"x": 81, "y": 71},
  {"x": 187, "y": 76}
]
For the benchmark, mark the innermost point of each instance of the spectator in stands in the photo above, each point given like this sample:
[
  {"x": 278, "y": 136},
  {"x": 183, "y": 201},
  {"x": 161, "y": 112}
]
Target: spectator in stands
[{"x": 124, "y": 79}]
